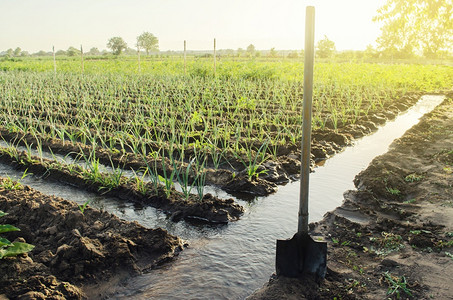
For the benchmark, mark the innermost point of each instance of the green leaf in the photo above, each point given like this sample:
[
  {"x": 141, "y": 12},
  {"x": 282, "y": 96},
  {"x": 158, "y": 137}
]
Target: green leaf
[
  {"x": 2, "y": 213},
  {"x": 4, "y": 242},
  {"x": 16, "y": 249},
  {"x": 8, "y": 228}
]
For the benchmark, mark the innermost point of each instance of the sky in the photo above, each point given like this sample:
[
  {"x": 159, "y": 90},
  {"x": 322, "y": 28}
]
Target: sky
[{"x": 35, "y": 25}]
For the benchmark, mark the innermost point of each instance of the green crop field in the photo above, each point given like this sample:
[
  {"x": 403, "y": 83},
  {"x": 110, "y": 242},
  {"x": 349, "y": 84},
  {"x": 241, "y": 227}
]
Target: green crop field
[{"x": 176, "y": 127}]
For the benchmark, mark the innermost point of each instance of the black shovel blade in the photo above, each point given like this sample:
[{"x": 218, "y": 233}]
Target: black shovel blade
[{"x": 301, "y": 255}]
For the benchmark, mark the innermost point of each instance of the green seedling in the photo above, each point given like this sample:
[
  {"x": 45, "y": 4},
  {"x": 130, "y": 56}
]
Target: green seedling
[
  {"x": 7, "y": 248},
  {"x": 84, "y": 206},
  {"x": 140, "y": 183}
]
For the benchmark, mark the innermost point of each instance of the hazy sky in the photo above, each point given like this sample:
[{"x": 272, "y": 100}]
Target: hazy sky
[{"x": 38, "y": 24}]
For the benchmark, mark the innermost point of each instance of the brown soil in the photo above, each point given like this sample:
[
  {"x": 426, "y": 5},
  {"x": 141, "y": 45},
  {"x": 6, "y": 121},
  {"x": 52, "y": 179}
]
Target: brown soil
[
  {"x": 77, "y": 255},
  {"x": 397, "y": 226}
]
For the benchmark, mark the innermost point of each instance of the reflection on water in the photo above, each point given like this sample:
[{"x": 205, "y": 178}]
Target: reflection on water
[{"x": 229, "y": 262}]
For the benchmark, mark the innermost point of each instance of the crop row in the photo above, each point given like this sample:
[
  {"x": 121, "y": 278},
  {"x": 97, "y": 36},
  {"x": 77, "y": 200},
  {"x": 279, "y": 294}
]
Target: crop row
[{"x": 192, "y": 123}]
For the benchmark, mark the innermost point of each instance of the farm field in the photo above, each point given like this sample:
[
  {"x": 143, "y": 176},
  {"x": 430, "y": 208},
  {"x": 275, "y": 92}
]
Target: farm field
[
  {"x": 239, "y": 133},
  {"x": 160, "y": 137}
]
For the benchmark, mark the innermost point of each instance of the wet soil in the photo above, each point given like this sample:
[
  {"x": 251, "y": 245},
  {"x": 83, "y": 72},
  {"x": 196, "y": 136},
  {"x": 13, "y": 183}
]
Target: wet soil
[
  {"x": 393, "y": 236},
  {"x": 209, "y": 209},
  {"x": 77, "y": 255}
]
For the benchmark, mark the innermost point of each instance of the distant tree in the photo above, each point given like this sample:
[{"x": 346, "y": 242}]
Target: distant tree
[
  {"x": 370, "y": 52},
  {"x": 24, "y": 53},
  {"x": 41, "y": 53},
  {"x": 17, "y": 51},
  {"x": 251, "y": 50},
  {"x": 273, "y": 52},
  {"x": 61, "y": 53},
  {"x": 117, "y": 45},
  {"x": 130, "y": 51},
  {"x": 94, "y": 51},
  {"x": 148, "y": 42},
  {"x": 229, "y": 52},
  {"x": 293, "y": 54},
  {"x": 72, "y": 51},
  {"x": 325, "y": 48},
  {"x": 9, "y": 52},
  {"x": 240, "y": 52},
  {"x": 415, "y": 26},
  {"x": 258, "y": 54}
]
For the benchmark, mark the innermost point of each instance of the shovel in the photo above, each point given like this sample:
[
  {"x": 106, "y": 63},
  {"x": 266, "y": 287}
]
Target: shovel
[{"x": 301, "y": 255}]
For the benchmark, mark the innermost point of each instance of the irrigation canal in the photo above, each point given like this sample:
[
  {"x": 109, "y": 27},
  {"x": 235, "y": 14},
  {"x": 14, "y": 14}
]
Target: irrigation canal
[{"x": 231, "y": 261}]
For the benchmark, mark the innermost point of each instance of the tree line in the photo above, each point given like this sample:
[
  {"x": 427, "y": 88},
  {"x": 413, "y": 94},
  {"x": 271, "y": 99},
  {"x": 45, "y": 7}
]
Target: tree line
[{"x": 410, "y": 28}]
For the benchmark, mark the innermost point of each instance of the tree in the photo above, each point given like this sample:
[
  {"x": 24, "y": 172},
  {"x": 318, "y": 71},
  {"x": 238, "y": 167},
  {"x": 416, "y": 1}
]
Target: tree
[
  {"x": 61, "y": 53},
  {"x": 72, "y": 51},
  {"x": 17, "y": 51},
  {"x": 415, "y": 26},
  {"x": 10, "y": 52},
  {"x": 370, "y": 52},
  {"x": 273, "y": 52},
  {"x": 325, "y": 48},
  {"x": 148, "y": 42},
  {"x": 117, "y": 45},
  {"x": 94, "y": 51},
  {"x": 251, "y": 50},
  {"x": 293, "y": 54}
]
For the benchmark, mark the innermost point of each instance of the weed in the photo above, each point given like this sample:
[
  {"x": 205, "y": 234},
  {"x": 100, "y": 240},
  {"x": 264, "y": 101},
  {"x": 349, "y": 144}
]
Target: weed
[
  {"x": 449, "y": 255},
  {"x": 387, "y": 243},
  {"x": 8, "y": 249},
  {"x": 414, "y": 177},
  {"x": 396, "y": 285},
  {"x": 9, "y": 184},
  {"x": 442, "y": 244},
  {"x": 410, "y": 201},
  {"x": 345, "y": 243},
  {"x": 393, "y": 191},
  {"x": 419, "y": 231}
]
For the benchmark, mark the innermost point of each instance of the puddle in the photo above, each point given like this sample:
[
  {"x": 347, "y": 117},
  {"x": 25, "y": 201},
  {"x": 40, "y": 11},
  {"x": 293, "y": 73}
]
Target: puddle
[{"x": 230, "y": 262}]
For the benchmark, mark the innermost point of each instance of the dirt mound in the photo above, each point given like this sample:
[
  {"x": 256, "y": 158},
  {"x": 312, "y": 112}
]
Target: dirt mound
[{"x": 74, "y": 248}]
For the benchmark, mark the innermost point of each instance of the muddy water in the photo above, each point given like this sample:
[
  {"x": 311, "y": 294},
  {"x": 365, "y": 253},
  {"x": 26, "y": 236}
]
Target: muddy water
[{"x": 229, "y": 262}]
